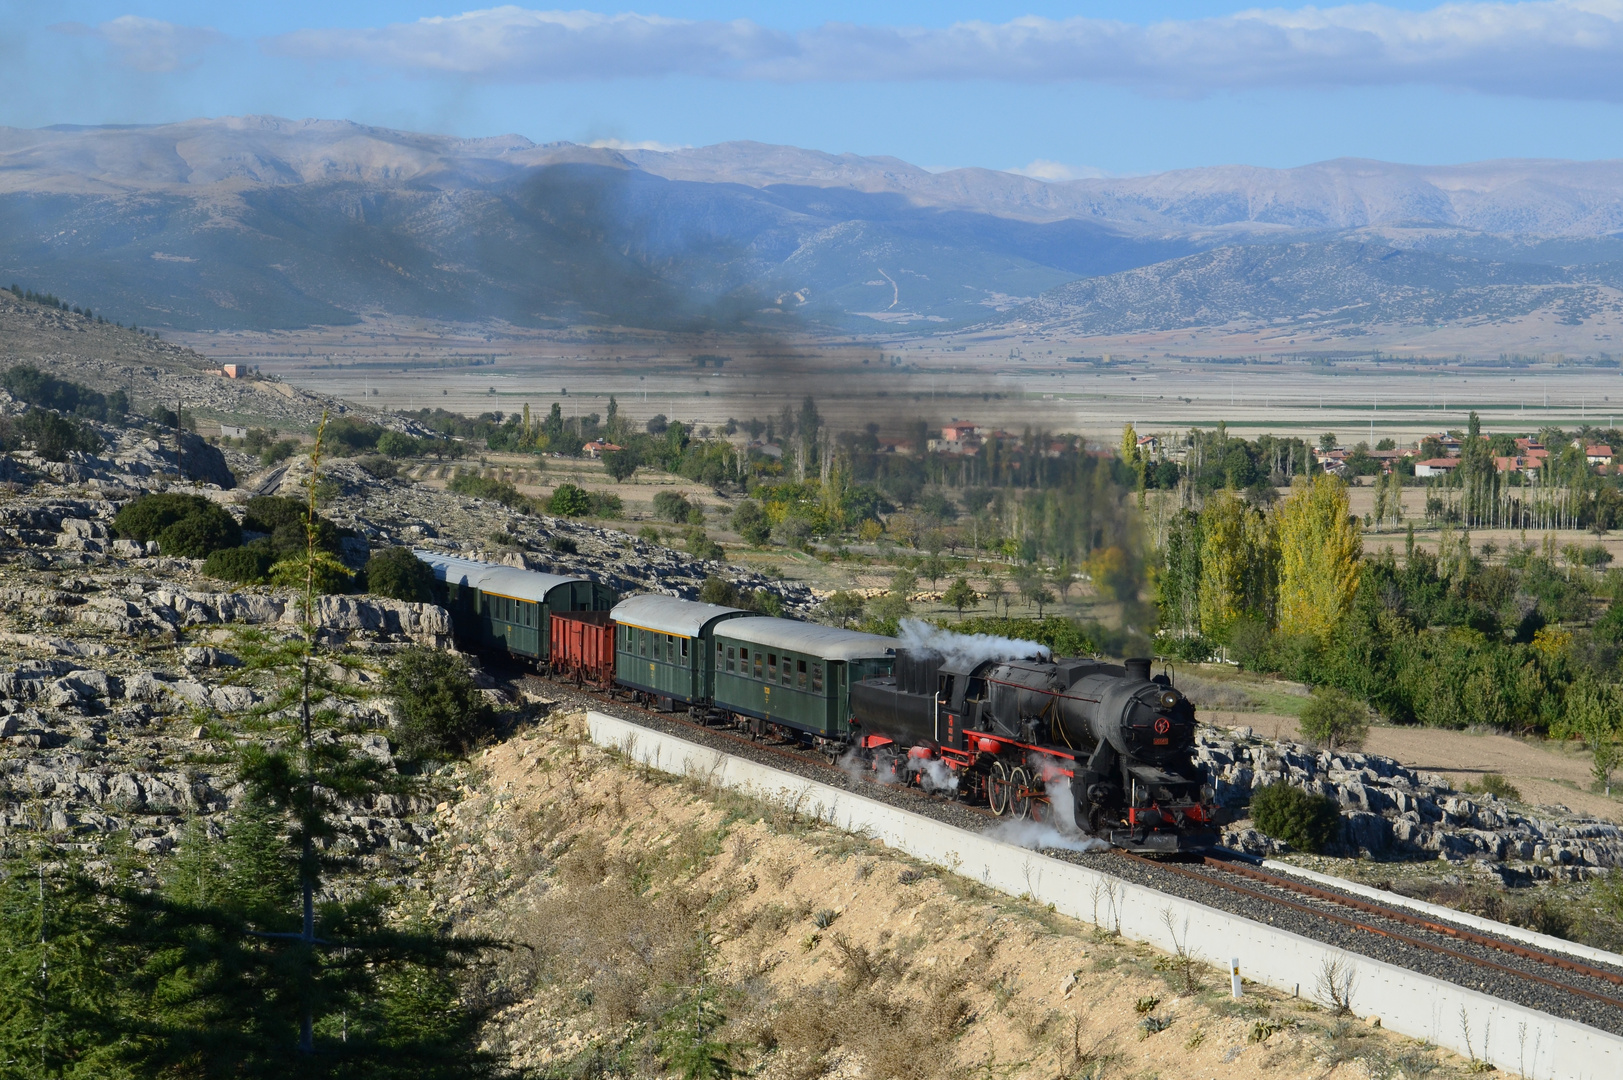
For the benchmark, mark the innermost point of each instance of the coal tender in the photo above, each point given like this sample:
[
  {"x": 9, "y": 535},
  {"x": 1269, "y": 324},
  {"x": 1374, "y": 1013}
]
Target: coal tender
[{"x": 1104, "y": 747}]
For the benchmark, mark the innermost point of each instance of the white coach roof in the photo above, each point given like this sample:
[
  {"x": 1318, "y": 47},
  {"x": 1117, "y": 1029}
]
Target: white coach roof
[
  {"x": 493, "y": 577},
  {"x": 670, "y": 614},
  {"x": 829, "y": 642}
]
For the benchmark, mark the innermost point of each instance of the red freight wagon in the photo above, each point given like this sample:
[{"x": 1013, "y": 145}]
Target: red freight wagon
[{"x": 583, "y": 647}]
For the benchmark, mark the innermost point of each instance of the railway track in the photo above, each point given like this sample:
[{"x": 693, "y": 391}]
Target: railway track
[{"x": 1501, "y": 967}]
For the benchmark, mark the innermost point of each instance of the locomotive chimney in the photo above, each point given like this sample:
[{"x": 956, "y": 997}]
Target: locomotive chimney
[{"x": 1138, "y": 667}]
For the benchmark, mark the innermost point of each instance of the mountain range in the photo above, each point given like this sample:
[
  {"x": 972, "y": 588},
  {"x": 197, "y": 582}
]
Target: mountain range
[{"x": 265, "y": 223}]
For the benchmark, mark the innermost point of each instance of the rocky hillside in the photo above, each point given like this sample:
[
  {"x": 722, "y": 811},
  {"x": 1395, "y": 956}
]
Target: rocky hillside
[
  {"x": 106, "y": 357},
  {"x": 1337, "y": 288}
]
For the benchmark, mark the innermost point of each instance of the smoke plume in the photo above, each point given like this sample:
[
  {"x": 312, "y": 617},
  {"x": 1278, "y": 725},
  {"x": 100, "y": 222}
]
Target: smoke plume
[{"x": 966, "y": 650}]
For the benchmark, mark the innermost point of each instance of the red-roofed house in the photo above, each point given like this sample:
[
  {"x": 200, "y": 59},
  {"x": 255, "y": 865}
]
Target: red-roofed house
[
  {"x": 1441, "y": 466},
  {"x": 598, "y": 447},
  {"x": 1598, "y": 455}
]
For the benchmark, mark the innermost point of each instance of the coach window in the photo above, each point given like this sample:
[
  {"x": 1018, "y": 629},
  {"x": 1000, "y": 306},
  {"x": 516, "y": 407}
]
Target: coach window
[
  {"x": 817, "y": 678},
  {"x": 800, "y": 675},
  {"x": 771, "y": 667},
  {"x": 758, "y": 659},
  {"x": 730, "y": 657},
  {"x": 642, "y": 642},
  {"x": 788, "y": 670},
  {"x": 684, "y": 648}
]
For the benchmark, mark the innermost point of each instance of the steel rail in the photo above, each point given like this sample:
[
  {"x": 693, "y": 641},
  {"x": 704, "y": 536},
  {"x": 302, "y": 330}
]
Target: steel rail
[
  {"x": 1414, "y": 942},
  {"x": 1415, "y": 920}
]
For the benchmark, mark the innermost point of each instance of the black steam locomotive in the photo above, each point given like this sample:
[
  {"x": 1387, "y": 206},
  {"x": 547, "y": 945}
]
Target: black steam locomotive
[{"x": 1100, "y": 746}]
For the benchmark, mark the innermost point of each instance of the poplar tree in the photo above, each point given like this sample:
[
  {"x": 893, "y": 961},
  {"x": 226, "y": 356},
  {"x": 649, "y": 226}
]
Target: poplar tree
[
  {"x": 1320, "y": 554},
  {"x": 1237, "y": 559}
]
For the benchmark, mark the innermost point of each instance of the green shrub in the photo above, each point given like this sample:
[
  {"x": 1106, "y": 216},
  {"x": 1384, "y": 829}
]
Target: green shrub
[
  {"x": 243, "y": 565},
  {"x": 293, "y": 572},
  {"x": 347, "y": 435},
  {"x": 146, "y": 517},
  {"x": 398, "y": 444},
  {"x": 1302, "y": 819},
  {"x": 620, "y": 464},
  {"x": 198, "y": 534},
  {"x": 283, "y": 519},
  {"x": 378, "y": 466},
  {"x": 279, "y": 451},
  {"x": 570, "y": 500},
  {"x": 750, "y": 522},
  {"x": 701, "y": 546},
  {"x": 442, "y": 713},
  {"x": 564, "y": 545},
  {"x": 1334, "y": 719},
  {"x": 51, "y": 435},
  {"x": 398, "y": 574},
  {"x": 717, "y": 590},
  {"x": 672, "y": 506},
  {"x": 265, "y": 513},
  {"x": 1496, "y": 785},
  {"x": 467, "y": 482}
]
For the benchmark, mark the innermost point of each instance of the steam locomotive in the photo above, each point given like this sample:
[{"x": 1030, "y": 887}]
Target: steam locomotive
[
  {"x": 1102, "y": 746},
  {"x": 1099, "y": 746}
]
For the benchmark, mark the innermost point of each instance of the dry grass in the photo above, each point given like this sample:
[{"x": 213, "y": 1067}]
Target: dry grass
[{"x": 652, "y": 917}]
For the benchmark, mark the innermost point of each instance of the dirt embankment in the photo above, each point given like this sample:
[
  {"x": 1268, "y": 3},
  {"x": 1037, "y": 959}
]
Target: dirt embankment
[{"x": 658, "y": 922}]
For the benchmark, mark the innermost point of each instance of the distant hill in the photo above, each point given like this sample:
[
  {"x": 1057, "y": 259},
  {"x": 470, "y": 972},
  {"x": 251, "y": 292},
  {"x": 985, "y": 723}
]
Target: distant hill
[
  {"x": 263, "y": 223},
  {"x": 1339, "y": 285}
]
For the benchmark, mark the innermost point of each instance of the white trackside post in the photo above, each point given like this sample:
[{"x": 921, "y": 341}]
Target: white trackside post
[{"x": 1234, "y": 978}]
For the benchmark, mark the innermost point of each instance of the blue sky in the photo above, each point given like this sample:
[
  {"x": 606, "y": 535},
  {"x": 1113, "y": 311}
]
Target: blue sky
[{"x": 1117, "y": 87}]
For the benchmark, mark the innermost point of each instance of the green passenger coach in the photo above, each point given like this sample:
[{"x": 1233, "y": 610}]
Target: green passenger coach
[
  {"x": 663, "y": 648},
  {"x": 795, "y": 674},
  {"x": 504, "y": 607}
]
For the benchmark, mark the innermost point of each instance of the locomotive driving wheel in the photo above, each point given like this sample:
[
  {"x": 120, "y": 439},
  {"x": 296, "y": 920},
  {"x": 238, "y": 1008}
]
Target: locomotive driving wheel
[
  {"x": 1019, "y": 792},
  {"x": 997, "y": 788}
]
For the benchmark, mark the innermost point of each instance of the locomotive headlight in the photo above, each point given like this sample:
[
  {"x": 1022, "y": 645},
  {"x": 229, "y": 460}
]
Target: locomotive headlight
[{"x": 1169, "y": 699}]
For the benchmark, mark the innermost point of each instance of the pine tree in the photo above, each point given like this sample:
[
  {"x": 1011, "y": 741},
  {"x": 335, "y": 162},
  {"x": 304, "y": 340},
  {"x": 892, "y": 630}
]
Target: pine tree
[{"x": 1319, "y": 557}]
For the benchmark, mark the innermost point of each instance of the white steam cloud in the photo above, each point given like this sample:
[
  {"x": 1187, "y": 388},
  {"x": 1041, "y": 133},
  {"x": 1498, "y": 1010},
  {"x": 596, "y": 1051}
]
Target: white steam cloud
[
  {"x": 1038, "y": 835},
  {"x": 966, "y": 650}
]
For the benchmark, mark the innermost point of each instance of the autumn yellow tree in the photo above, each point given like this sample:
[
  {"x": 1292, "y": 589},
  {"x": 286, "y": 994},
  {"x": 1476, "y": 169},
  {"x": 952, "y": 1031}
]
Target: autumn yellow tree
[
  {"x": 1237, "y": 560},
  {"x": 1320, "y": 556}
]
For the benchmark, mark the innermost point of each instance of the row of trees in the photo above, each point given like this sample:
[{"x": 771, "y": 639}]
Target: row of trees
[{"x": 1295, "y": 566}]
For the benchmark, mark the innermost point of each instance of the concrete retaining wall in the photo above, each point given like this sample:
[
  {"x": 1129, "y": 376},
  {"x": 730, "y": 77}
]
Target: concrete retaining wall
[{"x": 1516, "y": 1039}]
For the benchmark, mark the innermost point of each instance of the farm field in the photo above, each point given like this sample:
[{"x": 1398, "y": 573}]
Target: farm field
[{"x": 1013, "y": 384}]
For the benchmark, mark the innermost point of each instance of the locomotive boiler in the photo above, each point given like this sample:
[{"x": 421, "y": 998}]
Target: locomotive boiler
[{"x": 1105, "y": 747}]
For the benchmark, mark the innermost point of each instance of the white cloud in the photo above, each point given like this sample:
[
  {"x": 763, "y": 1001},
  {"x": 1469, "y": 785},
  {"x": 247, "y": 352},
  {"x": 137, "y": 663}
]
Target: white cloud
[
  {"x": 645, "y": 144},
  {"x": 1545, "y": 48},
  {"x": 1051, "y": 171},
  {"x": 150, "y": 45}
]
